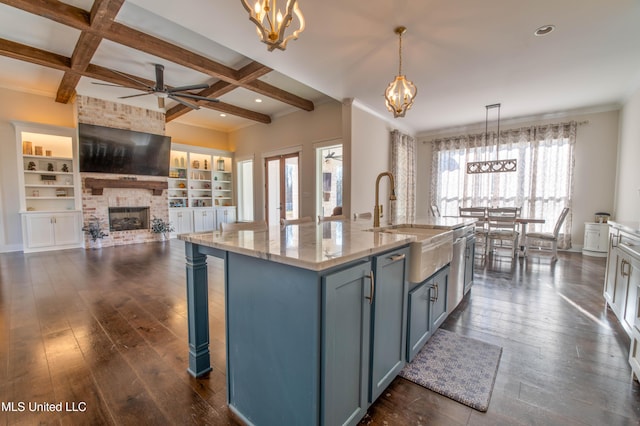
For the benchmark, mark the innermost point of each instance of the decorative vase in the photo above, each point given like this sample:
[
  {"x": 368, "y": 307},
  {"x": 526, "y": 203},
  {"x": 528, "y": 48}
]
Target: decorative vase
[
  {"x": 221, "y": 165},
  {"x": 95, "y": 244}
]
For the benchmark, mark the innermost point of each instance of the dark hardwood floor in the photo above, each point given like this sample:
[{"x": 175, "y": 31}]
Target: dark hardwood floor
[{"x": 107, "y": 328}]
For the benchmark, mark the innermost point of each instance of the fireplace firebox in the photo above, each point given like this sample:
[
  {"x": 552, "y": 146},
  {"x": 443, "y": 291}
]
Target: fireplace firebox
[{"x": 128, "y": 218}]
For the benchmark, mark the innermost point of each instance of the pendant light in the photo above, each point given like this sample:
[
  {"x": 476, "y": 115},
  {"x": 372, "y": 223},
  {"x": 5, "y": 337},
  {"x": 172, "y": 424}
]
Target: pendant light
[
  {"x": 271, "y": 22},
  {"x": 497, "y": 165},
  {"x": 401, "y": 92}
]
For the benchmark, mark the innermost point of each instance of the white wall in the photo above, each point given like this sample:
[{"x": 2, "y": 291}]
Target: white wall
[
  {"x": 370, "y": 155},
  {"x": 299, "y": 129},
  {"x": 595, "y": 163},
  {"x": 627, "y": 205}
]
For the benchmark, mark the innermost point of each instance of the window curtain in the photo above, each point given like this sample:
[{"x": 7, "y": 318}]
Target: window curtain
[
  {"x": 542, "y": 185},
  {"x": 403, "y": 167}
]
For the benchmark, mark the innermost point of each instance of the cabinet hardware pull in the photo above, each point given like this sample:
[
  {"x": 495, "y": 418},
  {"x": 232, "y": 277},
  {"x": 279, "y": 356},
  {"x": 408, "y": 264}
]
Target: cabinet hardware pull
[
  {"x": 372, "y": 287},
  {"x": 397, "y": 257},
  {"x": 435, "y": 298},
  {"x": 622, "y": 270}
]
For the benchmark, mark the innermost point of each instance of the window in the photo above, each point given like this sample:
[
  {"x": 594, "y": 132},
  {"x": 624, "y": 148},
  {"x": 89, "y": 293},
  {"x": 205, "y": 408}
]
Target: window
[
  {"x": 329, "y": 180},
  {"x": 541, "y": 186},
  {"x": 245, "y": 190}
]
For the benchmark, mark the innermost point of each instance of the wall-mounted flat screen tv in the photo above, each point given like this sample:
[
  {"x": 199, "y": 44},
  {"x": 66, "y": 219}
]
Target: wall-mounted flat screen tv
[{"x": 109, "y": 150}]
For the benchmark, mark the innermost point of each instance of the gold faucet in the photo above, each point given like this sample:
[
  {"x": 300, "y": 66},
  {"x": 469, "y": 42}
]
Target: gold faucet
[{"x": 377, "y": 209}]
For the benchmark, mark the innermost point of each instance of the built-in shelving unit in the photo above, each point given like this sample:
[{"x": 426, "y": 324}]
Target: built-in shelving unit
[
  {"x": 200, "y": 188},
  {"x": 49, "y": 186}
]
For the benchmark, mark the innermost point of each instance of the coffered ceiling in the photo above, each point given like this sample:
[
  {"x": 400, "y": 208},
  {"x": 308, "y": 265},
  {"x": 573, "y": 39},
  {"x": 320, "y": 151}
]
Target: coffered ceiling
[{"x": 462, "y": 55}]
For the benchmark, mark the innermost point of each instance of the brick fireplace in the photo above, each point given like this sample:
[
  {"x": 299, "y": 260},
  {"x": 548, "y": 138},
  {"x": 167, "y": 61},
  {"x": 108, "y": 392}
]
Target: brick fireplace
[{"x": 144, "y": 196}]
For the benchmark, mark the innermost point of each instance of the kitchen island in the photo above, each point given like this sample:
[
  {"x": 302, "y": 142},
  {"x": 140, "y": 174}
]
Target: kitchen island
[{"x": 315, "y": 317}]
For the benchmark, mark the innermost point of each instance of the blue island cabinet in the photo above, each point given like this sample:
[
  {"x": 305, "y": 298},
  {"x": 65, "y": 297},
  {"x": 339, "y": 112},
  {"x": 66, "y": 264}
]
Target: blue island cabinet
[
  {"x": 427, "y": 310},
  {"x": 313, "y": 348}
]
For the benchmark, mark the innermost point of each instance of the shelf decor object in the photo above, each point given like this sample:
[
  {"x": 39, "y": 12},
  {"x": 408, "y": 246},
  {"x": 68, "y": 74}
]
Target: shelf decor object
[
  {"x": 271, "y": 23},
  {"x": 401, "y": 92},
  {"x": 497, "y": 165}
]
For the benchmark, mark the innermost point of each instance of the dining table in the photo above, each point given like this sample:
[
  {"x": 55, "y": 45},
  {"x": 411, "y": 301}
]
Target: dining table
[{"x": 523, "y": 222}]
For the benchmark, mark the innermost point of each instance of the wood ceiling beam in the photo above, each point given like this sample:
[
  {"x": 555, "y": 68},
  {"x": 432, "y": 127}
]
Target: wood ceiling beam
[
  {"x": 36, "y": 56},
  {"x": 80, "y": 19},
  {"x": 102, "y": 14},
  {"x": 247, "y": 73}
]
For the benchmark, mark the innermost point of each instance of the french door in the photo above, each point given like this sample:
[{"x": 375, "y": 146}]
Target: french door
[{"x": 282, "y": 187}]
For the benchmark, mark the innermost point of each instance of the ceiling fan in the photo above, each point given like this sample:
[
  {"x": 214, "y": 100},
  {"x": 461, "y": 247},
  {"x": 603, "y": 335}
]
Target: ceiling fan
[
  {"x": 162, "y": 92},
  {"x": 332, "y": 156}
]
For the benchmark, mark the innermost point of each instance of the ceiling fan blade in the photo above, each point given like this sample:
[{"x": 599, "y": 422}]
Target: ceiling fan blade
[
  {"x": 185, "y": 103},
  {"x": 159, "y": 78},
  {"x": 190, "y": 87},
  {"x": 128, "y": 77},
  {"x": 160, "y": 102},
  {"x": 198, "y": 97},
  {"x": 114, "y": 85},
  {"x": 133, "y": 96}
]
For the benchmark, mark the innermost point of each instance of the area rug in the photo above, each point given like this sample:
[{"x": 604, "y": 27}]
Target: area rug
[{"x": 457, "y": 367}]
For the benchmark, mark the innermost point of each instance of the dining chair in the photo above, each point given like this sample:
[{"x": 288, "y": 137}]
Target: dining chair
[
  {"x": 540, "y": 241},
  {"x": 435, "y": 211},
  {"x": 304, "y": 219},
  {"x": 259, "y": 225},
  {"x": 479, "y": 213},
  {"x": 331, "y": 218},
  {"x": 362, "y": 216},
  {"x": 501, "y": 228}
]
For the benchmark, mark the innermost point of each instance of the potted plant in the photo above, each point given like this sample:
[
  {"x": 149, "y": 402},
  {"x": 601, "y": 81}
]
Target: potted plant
[
  {"x": 93, "y": 229},
  {"x": 160, "y": 226}
]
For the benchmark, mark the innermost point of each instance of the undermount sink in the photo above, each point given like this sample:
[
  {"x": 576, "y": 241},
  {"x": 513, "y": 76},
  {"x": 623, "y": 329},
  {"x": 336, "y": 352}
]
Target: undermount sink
[{"x": 431, "y": 251}]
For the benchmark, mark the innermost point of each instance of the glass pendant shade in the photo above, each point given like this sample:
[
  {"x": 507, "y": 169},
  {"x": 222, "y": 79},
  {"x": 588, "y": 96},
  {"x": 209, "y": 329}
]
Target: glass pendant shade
[
  {"x": 401, "y": 92},
  {"x": 272, "y": 23}
]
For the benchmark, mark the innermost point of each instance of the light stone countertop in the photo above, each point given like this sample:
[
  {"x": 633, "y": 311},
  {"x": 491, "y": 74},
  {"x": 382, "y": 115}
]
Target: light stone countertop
[
  {"x": 627, "y": 226},
  {"x": 316, "y": 246}
]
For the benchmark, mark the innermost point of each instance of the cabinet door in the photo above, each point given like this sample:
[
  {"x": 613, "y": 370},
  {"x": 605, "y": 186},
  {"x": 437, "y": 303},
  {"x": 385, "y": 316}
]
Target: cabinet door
[
  {"x": 182, "y": 221},
  {"x": 39, "y": 231},
  {"x": 203, "y": 220},
  {"x": 66, "y": 229},
  {"x": 611, "y": 271},
  {"x": 438, "y": 289},
  {"x": 620, "y": 290},
  {"x": 469, "y": 259},
  {"x": 346, "y": 316},
  {"x": 419, "y": 326},
  {"x": 388, "y": 325},
  {"x": 591, "y": 237},
  {"x": 631, "y": 307}
]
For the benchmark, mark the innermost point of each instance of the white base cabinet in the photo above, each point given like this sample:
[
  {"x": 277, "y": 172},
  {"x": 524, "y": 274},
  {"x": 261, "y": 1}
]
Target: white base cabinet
[
  {"x": 225, "y": 215},
  {"x": 204, "y": 219},
  {"x": 181, "y": 220},
  {"x": 596, "y": 239},
  {"x": 51, "y": 231}
]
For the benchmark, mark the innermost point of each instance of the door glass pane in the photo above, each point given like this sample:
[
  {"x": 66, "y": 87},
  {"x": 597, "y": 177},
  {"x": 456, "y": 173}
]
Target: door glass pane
[
  {"x": 291, "y": 187},
  {"x": 245, "y": 190},
  {"x": 273, "y": 191},
  {"x": 330, "y": 185}
]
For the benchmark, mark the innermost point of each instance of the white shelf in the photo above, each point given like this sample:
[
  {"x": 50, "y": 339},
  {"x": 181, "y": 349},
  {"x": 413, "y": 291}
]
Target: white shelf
[
  {"x": 46, "y": 172},
  {"x": 44, "y": 157},
  {"x": 199, "y": 196}
]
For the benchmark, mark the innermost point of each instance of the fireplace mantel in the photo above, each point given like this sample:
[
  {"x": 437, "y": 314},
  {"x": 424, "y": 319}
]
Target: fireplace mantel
[{"x": 97, "y": 185}]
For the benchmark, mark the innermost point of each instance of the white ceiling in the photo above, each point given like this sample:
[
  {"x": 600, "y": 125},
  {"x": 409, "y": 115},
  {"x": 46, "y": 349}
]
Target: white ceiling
[{"x": 461, "y": 54}]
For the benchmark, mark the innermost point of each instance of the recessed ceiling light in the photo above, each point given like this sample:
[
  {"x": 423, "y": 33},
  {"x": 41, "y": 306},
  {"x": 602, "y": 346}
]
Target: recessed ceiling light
[
  {"x": 544, "y": 30},
  {"x": 258, "y": 100},
  {"x": 223, "y": 115}
]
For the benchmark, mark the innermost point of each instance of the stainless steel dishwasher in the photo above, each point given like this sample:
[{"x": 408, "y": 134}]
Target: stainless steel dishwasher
[{"x": 457, "y": 273}]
